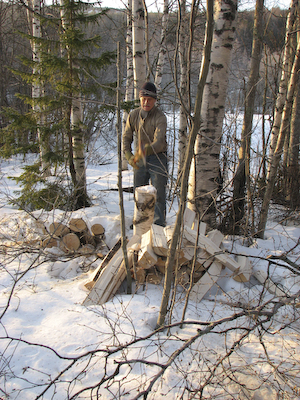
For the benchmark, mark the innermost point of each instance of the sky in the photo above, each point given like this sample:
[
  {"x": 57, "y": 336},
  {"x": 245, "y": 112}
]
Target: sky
[{"x": 153, "y": 5}]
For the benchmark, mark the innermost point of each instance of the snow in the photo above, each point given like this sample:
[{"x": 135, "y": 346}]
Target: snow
[{"x": 55, "y": 348}]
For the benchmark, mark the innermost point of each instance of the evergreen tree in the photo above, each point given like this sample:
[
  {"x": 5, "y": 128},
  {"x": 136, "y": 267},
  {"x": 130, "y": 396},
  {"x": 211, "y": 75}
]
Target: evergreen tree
[{"x": 65, "y": 73}]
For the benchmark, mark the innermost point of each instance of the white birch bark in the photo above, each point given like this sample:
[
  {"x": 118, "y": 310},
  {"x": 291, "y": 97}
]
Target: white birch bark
[
  {"x": 162, "y": 55},
  {"x": 36, "y": 90},
  {"x": 77, "y": 143},
  {"x": 189, "y": 153},
  {"x": 282, "y": 90},
  {"x": 182, "y": 131},
  {"x": 138, "y": 45},
  {"x": 203, "y": 182},
  {"x": 129, "y": 89}
]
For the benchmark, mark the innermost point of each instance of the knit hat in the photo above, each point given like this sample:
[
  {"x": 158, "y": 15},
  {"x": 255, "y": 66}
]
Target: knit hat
[{"x": 148, "y": 90}]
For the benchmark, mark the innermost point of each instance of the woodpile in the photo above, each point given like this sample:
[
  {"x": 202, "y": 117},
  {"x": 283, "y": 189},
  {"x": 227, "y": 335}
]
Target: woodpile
[
  {"x": 74, "y": 237},
  {"x": 200, "y": 258},
  {"x": 198, "y": 263}
]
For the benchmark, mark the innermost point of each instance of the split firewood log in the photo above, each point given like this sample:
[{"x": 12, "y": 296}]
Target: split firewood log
[
  {"x": 104, "y": 262},
  {"x": 70, "y": 242},
  {"x": 147, "y": 258},
  {"x": 160, "y": 265},
  {"x": 189, "y": 218},
  {"x": 58, "y": 229},
  {"x": 159, "y": 241},
  {"x": 153, "y": 276},
  {"x": 140, "y": 276},
  {"x": 112, "y": 275}
]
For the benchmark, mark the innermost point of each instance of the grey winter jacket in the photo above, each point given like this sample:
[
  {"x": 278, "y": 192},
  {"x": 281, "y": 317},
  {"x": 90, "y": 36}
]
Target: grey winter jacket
[{"x": 148, "y": 127}]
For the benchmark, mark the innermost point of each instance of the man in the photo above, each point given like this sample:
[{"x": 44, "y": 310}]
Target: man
[{"x": 149, "y": 124}]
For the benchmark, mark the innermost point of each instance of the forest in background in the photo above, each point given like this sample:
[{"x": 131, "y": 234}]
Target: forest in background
[
  {"x": 99, "y": 107},
  {"x": 240, "y": 341},
  {"x": 111, "y": 27}
]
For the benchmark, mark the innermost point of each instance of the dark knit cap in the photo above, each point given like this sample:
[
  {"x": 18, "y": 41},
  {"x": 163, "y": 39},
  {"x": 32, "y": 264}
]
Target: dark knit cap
[{"x": 148, "y": 90}]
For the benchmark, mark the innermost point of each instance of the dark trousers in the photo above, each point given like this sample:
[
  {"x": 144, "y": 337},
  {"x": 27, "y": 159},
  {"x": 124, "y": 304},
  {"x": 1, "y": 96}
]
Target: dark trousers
[{"x": 155, "y": 171}]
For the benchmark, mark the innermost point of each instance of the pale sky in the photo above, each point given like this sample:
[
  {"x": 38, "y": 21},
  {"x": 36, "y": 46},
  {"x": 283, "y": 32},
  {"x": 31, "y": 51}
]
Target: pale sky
[{"x": 153, "y": 5}]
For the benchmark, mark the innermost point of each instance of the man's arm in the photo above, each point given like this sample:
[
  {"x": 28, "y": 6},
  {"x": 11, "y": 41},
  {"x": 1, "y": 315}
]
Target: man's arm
[
  {"x": 159, "y": 143},
  {"x": 127, "y": 136}
]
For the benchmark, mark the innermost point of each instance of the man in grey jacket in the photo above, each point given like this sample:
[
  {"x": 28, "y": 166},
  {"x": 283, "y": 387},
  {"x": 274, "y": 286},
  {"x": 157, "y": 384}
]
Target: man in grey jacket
[{"x": 149, "y": 162}]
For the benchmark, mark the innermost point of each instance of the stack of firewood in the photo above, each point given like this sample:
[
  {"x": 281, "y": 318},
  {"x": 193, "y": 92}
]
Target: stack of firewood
[
  {"x": 148, "y": 253},
  {"x": 74, "y": 236}
]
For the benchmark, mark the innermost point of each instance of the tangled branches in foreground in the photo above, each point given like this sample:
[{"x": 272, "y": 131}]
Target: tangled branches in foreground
[{"x": 228, "y": 347}]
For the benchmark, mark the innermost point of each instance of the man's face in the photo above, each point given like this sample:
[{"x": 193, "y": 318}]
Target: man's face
[{"x": 147, "y": 103}]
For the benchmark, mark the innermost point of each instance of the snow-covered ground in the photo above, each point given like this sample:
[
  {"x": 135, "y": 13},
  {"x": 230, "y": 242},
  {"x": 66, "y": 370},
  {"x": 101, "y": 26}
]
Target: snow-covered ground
[{"x": 52, "y": 347}]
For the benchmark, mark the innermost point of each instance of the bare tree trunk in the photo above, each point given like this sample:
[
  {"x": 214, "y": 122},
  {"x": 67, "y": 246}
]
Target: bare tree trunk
[
  {"x": 162, "y": 50},
  {"x": 282, "y": 90},
  {"x": 291, "y": 144},
  {"x": 183, "y": 125},
  {"x": 120, "y": 189},
  {"x": 186, "y": 169},
  {"x": 204, "y": 187},
  {"x": 243, "y": 170},
  {"x": 275, "y": 159},
  {"x": 138, "y": 45},
  {"x": 293, "y": 181},
  {"x": 264, "y": 140}
]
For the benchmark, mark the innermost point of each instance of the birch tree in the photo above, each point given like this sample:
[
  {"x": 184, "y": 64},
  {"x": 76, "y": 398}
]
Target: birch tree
[
  {"x": 34, "y": 15},
  {"x": 129, "y": 89},
  {"x": 285, "y": 68},
  {"x": 292, "y": 174},
  {"x": 204, "y": 175},
  {"x": 66, "y": 67},
  {"x": 291, "y": 161},
  {"x": 138, "y": 45},
  {"x": 76, "y": 140},
  {"x": 242, "y": 176},
  {"x": 184, "y": 82},
  {"x": 162, "y": 55},
  {"x": 189, "y": 154},
  {"x": 277, "y": 152}
]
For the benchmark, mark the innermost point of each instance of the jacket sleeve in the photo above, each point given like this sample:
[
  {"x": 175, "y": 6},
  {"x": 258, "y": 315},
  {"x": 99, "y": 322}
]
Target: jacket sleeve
[
  {"x": 128, "y": 134},
  {"x": 159, "y": 143}
]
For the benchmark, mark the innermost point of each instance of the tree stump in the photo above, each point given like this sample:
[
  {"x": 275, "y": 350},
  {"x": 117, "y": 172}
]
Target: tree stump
[{"x": 144, "y": 200}]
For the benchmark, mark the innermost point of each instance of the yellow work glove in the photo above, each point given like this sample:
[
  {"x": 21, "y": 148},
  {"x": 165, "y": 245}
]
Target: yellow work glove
[
  {"x": 130, "y": 158},
  {"x": 148, "y": 150}
]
